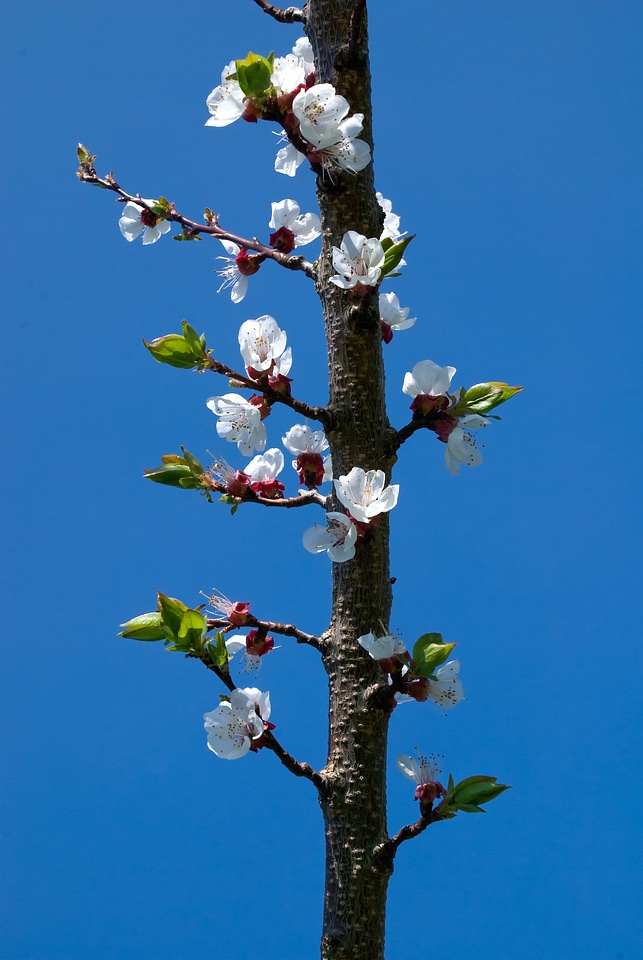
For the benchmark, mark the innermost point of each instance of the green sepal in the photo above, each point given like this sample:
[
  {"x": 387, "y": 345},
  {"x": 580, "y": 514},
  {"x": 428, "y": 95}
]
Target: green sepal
[
  {"x": 428, "y": 653},
  {"x": 393, "y": 253},
  {"x": 217, "y": 652},
  {"x": 254, "y": 74},
  {"x": 147, "y": 626},
  {"x": 186, "y": 235},
  {"x": 226, "y": 498}
]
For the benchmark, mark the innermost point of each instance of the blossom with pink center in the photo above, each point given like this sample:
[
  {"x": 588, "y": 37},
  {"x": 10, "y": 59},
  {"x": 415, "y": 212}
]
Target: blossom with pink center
[
  {"x": 381, "y": 648},
  {"x": 365, "y": 495},
  {"x": 236, "y": 612},
  {"x": 358, "y": 262},
  {"x": 263, "y": 471},
  {"x": 255, "y": 646},
  {"x": 263, "y": 346},
  {"x": 293, "y": 228},
  {"x": 428, "y": 379},
  {"x": 226, "y": 102},
  {"x": 424, "y": 774},
  {"x": 239, "y": 265},
  {"x": 393, "y": 317},
  {"x": 237, "y": 722},
  {"x": 461, "y": 445},
  {"x": 309, "y": 445},
  {"x": 137, "y": 220},
  {"x": 239, "y": 421},
  {"x": 337, "y": 538},
  {"x": 236, "y": 482}
]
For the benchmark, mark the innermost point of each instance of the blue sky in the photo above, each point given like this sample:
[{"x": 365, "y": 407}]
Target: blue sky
[{"x": 509, "y": 138}]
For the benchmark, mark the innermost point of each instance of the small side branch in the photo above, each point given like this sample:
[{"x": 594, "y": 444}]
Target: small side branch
[
  {"x": 269, "y": 626},
  {"x": 320, "y": 414},
  {"x": 402, "y": 435},
  {"x": 223, "y": 676},
  {"x": 295, "y": 766},
  {"x": 384, "y": 854},
  {"x": 288, "y": 503},
  {"x": 289, "y": 15},
  {"x": 87, "y": 174}
]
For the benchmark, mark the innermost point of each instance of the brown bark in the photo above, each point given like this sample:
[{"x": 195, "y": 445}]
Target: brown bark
[{"x": 354, "y": 798}]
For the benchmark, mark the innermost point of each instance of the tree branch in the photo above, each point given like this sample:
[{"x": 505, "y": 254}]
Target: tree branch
[
  {"x": 289, "y": 15},
  {"x": 384, "y": 853},
  {"x": 402, "y": 435},
  {"x": 295, "y": 766},
  {"x": 87, "y": 174},
  {"x": 302, "y": 500},
  {"x": 275, "y": 396},
  {"x": 283, "y": 629}
]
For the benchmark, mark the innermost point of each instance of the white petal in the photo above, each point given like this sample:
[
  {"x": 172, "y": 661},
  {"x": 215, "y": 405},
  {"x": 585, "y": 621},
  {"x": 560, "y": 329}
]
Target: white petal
[{"x": 409, "y": 767}]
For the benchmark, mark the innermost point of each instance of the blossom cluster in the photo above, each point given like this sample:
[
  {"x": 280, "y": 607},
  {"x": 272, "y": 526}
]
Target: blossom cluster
[{"x": 428, "y": 384}]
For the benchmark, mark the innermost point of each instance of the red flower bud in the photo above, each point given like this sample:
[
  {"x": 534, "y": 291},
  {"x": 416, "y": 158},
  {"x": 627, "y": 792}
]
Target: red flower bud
[
  {"x": 310, "y": 467},
  {"x": 261, "y": 403},
  {"x": 148, "y": 218},
  {"x": 283, "y": 240},
  {"x": 270, "y": 489},
  {"x": 419, "y": 689},
  {"x": 424, "y": 404},
  {"x": 238, "y": 613},
  {"x": 238, "y": 485},
  {"x": 387, "y": 331},
  {"x": 248, "y": 263}
]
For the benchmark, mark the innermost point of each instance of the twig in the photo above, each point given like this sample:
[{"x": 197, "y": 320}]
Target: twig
[
  {"x": 313, "y": 413},
  {"x": 400, "y": 436},
  {"x": 302, "y": 500},
  {"x": 283, "y": 629},
  {"x": 88, "y": 174},
  {"x": 384, "y": 853},
  {"x": 289, "y": 15},
  {"x": 295, "y": 766}
]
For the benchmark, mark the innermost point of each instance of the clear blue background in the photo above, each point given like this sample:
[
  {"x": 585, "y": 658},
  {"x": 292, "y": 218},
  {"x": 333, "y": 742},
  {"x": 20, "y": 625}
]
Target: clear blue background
[{"x": 508, "y": 136}]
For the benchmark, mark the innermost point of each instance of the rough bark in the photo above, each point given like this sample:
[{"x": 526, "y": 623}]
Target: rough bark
[{"x": 354, "y": 798}]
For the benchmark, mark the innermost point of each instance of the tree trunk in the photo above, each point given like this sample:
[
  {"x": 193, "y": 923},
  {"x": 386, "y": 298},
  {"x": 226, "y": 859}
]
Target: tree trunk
[{"x": 354, "y": 799}]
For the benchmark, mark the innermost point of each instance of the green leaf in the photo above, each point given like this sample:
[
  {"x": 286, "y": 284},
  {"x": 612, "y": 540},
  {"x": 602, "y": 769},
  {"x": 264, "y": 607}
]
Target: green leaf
[
  {"x": 393, "y": 253},
  {"x": 195, "y": 465},
  {"x": 174, "y": 350},
  {"x": 217, "y": 651},
  {"x": 470, "y": 808},
  {"x": 196, "y": 342},
  {"x": 483, "y": 397},
  {"x": 192, "y": 629},
  {"x": 170, "y": 474},
  {"x": 171, "y": 611},
  {"x": 428, "y": 653},
  {"x": 476, "y": 790},
  {"x": 254, "y": 74},
  {"x": 147, "y": 626}
]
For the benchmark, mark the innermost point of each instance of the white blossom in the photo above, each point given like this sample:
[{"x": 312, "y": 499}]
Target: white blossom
[
  {"x": 235, "y": 723},
  {"x": 304, "y": 50},
  {"x": 447, "y": 690},
  {"x": 337, "y": 538},
  {"x": 428, "y": 379},
  {"x": 306, "y": 227},
  {"x": 239, "y": 422},
  {"x": 323, "y": 123},
  {"x": 391, "y": 220},
  {"x": 426, "y": 771},
  {"x": 263, "y": 343},
  {"x": 265, "y": 466},
  {"x": 137, "y": 220},
  {"x": 288, "y": 73},
  {"x": 393, "y": 314},
  {"x": 358, "y": 262},
  {"x": 301, "y": 439},
  {"x": 381, "y": 648},
  {"x": 288, "y": 159},
  {"x": 461, "y": 447},
  {"x": 233, "y": 279},
  {"x": 364, "y": 494},
  {"x": 225, "y": 103}
]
